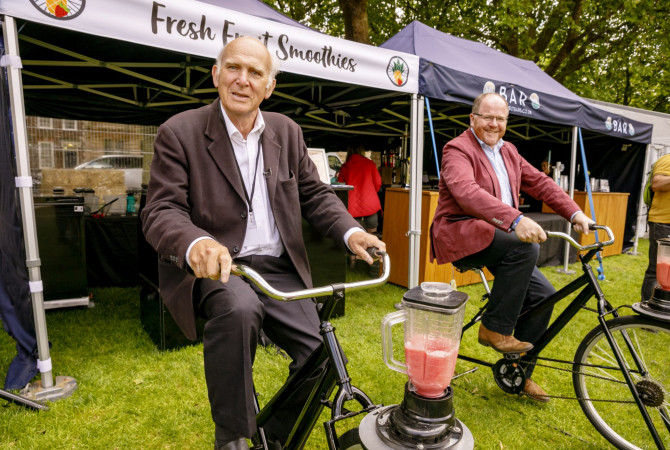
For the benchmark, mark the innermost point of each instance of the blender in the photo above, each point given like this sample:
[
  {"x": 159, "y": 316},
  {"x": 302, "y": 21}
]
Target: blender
[
  {"x": 658, "y": 305},
  {"x": 432, "y": 315}
]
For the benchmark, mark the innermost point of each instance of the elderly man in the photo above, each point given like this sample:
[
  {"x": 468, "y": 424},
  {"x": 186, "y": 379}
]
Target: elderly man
[
  {"x": 477, "y": 223},
  {"x": 229, "y": 185}
]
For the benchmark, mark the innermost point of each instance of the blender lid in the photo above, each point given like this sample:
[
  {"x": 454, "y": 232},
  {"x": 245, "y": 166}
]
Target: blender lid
[{"x": 435, "y": 295}]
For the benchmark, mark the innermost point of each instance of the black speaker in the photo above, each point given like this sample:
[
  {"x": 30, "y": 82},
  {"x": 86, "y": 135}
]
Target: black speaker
[{"x": 60, "y": 236}]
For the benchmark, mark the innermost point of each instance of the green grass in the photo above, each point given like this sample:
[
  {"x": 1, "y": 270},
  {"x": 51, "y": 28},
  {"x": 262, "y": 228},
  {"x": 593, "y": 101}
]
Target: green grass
[{"x": 132, "y": 396}]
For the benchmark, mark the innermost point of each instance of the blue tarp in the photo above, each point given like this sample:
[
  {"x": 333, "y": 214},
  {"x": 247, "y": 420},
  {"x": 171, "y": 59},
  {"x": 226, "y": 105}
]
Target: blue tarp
[{"x": 458, "y": 70}]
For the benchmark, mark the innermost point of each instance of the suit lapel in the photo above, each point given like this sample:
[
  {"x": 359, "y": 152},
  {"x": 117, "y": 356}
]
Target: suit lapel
[
  {"x": 221, "y": 150},
  {"x": 271, "y": 151},
  {"x": 486, "y": 163}
]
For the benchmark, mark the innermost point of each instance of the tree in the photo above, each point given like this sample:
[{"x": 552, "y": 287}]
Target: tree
[{"x": 614, "y": 51}]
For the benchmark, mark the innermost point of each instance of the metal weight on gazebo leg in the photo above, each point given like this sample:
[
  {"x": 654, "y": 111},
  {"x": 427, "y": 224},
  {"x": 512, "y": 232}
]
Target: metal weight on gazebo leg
[{"x": 44, "y": 389}]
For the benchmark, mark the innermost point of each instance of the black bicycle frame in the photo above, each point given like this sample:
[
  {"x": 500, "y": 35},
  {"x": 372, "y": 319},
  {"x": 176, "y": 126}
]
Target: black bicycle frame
[
  {"x": 324, "y": 368},
  {"x": 591, "y": 288}
]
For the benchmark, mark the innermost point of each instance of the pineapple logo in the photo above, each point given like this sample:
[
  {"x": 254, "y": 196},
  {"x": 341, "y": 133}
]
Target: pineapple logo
[
  {"x": 59, "y": 9},
  {"x": 397, "y": 71}
]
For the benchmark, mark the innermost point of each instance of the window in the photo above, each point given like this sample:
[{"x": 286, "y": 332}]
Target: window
[
  {"x": 46, "y": 154},
  {"x": 69, "y": 124},
  {"x": 44, "y": 122}
]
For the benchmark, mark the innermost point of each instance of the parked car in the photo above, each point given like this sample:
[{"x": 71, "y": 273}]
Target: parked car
[{"x": 132, "y": 166}]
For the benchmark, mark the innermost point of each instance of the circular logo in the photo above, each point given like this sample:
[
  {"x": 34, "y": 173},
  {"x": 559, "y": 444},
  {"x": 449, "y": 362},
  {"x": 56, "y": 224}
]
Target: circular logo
[
  {"x": 608, "y": 124},
  {"x": 631, "y": 130},
  {"x": 489, "y": 88},
  {"x": 397, "y": 71},
  {"x": 534, "y": 100},
  {"x": 59, "y": 9}
]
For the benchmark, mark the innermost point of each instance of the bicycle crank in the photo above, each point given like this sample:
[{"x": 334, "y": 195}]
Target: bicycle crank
[{"x": 508, "y": 375}]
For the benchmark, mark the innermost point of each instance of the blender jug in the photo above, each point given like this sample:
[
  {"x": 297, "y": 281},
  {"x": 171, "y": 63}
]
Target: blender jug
[
  {"x": 663, "y": 264},
  {"x": 658, "y": 306},
  {"x": 433, "y": 317}
]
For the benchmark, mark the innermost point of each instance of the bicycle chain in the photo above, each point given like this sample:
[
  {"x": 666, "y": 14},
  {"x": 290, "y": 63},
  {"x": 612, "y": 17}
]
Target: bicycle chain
[{"x": 560, "y": 397}]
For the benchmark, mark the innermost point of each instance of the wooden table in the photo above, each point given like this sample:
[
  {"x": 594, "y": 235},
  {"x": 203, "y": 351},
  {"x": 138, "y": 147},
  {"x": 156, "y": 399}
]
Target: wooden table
[
  {"x": 396, "y": 225},
  {"x": 610, "y": 208}
]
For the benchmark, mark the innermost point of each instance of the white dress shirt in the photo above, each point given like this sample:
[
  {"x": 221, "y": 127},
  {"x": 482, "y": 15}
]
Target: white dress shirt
[{"x": 493, "y": 155}]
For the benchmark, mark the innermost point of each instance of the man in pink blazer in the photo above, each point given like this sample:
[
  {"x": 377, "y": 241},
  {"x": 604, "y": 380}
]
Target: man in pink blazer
[
  {"x": 229, "y": 185},
  {"x": 477, "y": 223}
]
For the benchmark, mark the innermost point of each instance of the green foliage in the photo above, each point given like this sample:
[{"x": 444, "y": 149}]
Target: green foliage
[
  {"x": 132, "y": 396},
  {"x": 616, "y": 51}
]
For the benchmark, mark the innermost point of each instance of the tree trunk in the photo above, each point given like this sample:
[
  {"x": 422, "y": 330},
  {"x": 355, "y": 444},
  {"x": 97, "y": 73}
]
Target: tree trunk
[{"x": 356, "y": 27}]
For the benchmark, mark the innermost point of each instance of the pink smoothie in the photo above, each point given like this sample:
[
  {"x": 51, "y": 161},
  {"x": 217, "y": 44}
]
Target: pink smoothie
[
  {"x": 431, "y": 367},
  {"x": 663, "y": 274}
]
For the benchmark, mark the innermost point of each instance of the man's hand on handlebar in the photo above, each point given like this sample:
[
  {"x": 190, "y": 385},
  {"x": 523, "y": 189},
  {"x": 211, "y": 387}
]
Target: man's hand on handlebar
[
  {"x": 209, "y": 259},
  {"x": 527, "y": 230},
  {"x": 360, "y": 241},
  {"x": 581, "y": 223}
]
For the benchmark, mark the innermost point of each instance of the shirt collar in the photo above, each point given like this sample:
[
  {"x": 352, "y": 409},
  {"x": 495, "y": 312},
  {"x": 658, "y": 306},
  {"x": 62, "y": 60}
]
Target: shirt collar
[
  {"x": 234, "y": 133},
  {"x": 486, "y": 146}
]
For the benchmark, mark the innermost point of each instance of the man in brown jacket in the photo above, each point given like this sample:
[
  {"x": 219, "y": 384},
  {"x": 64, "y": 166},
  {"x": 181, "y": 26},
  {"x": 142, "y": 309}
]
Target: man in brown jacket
[{"x": 230, "y": 184}]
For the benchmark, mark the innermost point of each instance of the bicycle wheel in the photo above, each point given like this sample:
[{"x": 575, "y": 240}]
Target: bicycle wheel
[{"x": 601, "y": 388}]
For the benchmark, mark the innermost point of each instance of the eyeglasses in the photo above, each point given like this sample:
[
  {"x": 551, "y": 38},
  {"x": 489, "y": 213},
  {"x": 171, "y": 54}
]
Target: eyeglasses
[{"x": 499, "y": 119}]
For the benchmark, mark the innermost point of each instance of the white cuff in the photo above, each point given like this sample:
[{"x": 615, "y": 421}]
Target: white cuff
[{"x": 188, "y": 250}]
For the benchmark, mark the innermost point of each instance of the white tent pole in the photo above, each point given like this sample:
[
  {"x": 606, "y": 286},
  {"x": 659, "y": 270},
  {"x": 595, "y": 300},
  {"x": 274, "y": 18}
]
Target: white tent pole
[
  {"x": 46, "y": 389},
  {"x": 571, "y": 193},
  {"x": 26, "y": 195},
  {"x": 641, "y": 222},
  {"x": 415, "y": 189}
]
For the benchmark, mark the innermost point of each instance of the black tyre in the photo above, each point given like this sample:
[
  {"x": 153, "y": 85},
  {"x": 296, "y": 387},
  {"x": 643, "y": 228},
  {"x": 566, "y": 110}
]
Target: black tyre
[
  {"x": 604, "y": 395},
  {"x": 350, "y": 440}
]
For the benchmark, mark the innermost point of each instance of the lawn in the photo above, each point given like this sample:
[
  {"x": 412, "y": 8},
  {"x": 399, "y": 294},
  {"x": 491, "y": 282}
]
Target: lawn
[{"x": 132, "y": 396}]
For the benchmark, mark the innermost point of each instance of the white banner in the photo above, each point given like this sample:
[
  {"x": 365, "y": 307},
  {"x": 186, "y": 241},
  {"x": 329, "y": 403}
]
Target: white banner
[{"x": 197, "y": 28}]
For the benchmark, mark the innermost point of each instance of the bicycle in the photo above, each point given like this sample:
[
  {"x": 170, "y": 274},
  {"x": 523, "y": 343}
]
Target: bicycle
[
  {"x": 620, "y": 368},
  {"x": 326, "y": 364}
]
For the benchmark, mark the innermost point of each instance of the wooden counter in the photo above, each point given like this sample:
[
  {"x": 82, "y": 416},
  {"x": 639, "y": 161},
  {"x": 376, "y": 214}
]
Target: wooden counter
[
  {"x": 396, "y": 225},
  {"x": 610, "y": 210}
]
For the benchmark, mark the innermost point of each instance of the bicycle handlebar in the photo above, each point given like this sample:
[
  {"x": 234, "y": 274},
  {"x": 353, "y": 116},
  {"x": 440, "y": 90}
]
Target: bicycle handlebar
[
  {"x": 258, "y": 280},
  {"x": 575, "y": 244}
]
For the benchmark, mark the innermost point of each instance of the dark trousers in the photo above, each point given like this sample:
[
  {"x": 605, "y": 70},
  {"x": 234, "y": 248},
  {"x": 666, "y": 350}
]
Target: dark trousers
[
  {"x": 518, "y": 285},
  {"x": 236, "y": 312},
  {"x": 656, "y": 231}
]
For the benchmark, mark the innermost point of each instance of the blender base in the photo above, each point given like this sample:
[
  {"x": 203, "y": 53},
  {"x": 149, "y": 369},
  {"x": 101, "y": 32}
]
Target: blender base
[
  {"x": 658, "y": 306},
  {"x": 370, "y": 440},
  {"x": 418, "y": 422}
]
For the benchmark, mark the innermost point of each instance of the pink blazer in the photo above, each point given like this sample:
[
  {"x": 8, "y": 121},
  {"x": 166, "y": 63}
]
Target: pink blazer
[{"x": 469, "y": 206}]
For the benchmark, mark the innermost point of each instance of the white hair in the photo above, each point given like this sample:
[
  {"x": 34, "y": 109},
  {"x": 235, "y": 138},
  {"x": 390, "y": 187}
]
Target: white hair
[{"x": 274, "y": 61}]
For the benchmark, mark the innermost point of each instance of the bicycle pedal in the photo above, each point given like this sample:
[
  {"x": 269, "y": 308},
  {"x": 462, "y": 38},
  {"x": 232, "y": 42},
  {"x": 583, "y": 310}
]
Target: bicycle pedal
[{"x": 513, "y": 356}]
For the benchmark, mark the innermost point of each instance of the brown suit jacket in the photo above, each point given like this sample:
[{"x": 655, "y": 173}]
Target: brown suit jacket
[
  {"x": 470, "y": 207},
  {"x": 195, "y": 190}
]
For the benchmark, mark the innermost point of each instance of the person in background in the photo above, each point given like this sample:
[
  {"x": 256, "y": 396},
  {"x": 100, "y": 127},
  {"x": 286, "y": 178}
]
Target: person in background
[
  {"x": 545, "y": 167},
  {"x": 229, "y": 185},
  {"x": 658, "y": 220},
  {"x": 361, "y": 173},
  {"x": 477, "y": 223}
]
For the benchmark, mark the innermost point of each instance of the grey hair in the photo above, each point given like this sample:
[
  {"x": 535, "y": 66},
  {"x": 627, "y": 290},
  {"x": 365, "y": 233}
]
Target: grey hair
[{"x": 274, "y": 62}]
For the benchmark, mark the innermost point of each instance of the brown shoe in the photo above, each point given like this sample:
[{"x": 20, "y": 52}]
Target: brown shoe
[
  {"x": 500, "y": 342},
  {"x": 534, "y": 392}
]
